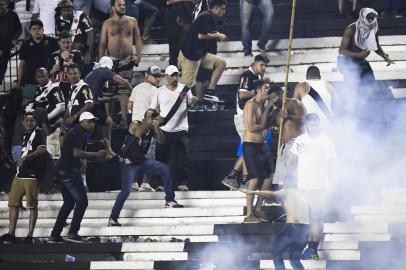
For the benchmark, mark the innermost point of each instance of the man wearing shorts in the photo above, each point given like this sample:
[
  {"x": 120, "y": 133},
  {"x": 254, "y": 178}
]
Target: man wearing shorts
[
  {"x": 30, "y": 166},
  {"x": 246, "y": 91},
  {"x": 316, "y": 153},
  {"x": 195, "y": 50},
  {"x": 259, "y": 166}
]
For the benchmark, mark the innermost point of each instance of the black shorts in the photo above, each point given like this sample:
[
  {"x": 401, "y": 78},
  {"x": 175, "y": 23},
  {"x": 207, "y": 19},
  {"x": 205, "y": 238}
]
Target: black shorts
[
  {"x": 100, "y": 112},
  {"x": 258, "y": 160},
  {"x": 203, "y": 75}
]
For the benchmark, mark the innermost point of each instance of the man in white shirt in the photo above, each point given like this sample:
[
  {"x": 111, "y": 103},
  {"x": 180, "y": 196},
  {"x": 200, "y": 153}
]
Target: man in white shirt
[
  {"x": 316, "y": 154},
  {"x": 45, "y": 11},
  {"x": 176, "y": 129},
  {"x": 139, "y": 102}
]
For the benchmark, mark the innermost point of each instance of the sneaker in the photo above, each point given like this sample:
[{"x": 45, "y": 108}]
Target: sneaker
[
  {"x": 310, "y": 254},
  {"x": 113, "y": 223},
  {"x": 261, "y": 216},
  {"x": 398, "y": 15},
  {"x": 75, "y": 238},
  {"x": 173, "y": 204},
  {"x": 262, "y": 49},
  {"x": 55, "y": 239},
  {"x": 243, "y": 186},
  {"x": 251, "y": 219},
  {"x": 230, "y": 182},
  {"x": 145, "y": 187},
  {"x": 7, "y": 239},
  {"x": 135, "y": 187},
  {"x": 212, "y": 97},
  {"x": 160, "y": 188},
  {"x": 248, "y": 53},
  {"x": 183, "y": 188},
  {"x": 28, "y": 240}
]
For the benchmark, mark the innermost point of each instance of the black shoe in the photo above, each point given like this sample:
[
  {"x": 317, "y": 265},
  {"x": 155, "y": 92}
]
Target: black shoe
[
  {"x": 75, "y": 238},
  {"x": 262, "y": 49},
  {"x": 248, "y": 53},
  {"x": 230, "y": 182},
  {"x": 173, "y": 204},
  {"x": 28, "y": 240},
  {"x": 211, "y": 96},
  {"x": 55, "y": 239},
  {"x": 7, "y": 239},
  {"x": 113, "y": 223}
]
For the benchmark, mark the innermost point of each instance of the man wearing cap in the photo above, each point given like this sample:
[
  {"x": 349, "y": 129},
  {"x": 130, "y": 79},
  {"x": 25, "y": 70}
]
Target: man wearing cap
[
  {"x": 80, "y": 27},
  {"x": 68, "y": 172},
  {"x": 30, "y": 168},
  {"x": 34, "y": 53},
  {"x": 176, "y": 129},
  {"x": 96, "y": 80},
  {"x": 139, "y": 103}
]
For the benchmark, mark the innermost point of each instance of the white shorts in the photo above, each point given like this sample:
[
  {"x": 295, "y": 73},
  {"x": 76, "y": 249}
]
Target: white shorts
[
  {"x": 239, "y": 124},
  {"x": 282, "y": 169},
  {"x": 53, "y": 144}
]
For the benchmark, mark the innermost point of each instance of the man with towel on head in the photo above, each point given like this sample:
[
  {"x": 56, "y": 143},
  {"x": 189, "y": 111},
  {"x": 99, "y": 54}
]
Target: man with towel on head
[{"x": 359, "y": 39}]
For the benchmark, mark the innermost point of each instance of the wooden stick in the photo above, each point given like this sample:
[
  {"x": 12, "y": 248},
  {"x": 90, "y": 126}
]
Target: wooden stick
[{"x": 285, "y": 90}]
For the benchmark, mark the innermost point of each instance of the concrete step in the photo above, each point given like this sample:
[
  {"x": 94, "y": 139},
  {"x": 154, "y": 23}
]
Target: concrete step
[
  {"x": 310, "y": 265},
  {"x": 152, "y": 247},
  {"x": 360, "y": 228},
  {"x": 155, "y": 256},
  {"x": 378, "y": 209},
  {"x": 108, "y": 265},
  {"x": 357, "y": 237},
  {"x": 390, "y": 218}
]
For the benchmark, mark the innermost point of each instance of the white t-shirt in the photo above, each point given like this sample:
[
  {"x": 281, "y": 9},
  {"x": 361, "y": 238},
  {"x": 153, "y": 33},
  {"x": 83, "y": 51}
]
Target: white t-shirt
[
  {"x": 141, "y": 97},
  {"x": 315, "y": 155},
  {"x": 46, "y": 10},
  {"x": 164, "y": 100}
]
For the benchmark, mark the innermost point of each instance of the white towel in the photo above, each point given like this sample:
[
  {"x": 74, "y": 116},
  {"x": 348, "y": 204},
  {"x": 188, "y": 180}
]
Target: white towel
[{"x": 365, "y": 31}]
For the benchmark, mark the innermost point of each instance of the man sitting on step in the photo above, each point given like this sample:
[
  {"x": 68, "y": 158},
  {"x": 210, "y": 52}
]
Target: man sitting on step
[
  {"x": 134, "y": 163},
  {"x": 295, "y": 233}
]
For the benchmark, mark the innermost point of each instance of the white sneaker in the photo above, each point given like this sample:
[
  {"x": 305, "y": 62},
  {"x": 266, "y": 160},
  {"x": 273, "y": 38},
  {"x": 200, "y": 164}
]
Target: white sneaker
[
  {"x": 145, "y": 187},
  {"x": 135, "y": 186},
  {"x": 160, "y": 188},
  {"x": 183, "y": 188}
]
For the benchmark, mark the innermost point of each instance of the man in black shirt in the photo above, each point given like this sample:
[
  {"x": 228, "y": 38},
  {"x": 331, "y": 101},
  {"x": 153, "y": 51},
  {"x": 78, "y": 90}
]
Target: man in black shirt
[
  {"x": 134, "y": 162},
  {"x": 10, "y": 30},
  {"x": 195, "y": 50},
  {"x": 80, "y": 97},
  {"x": 68, "y": 172},
  {"x": 80, "y": 27},
  {"x": 34, "y": 53},
  {"x": 245, "y": 92},
  {"x": 30, "y": 168},
  {"x": 61, "y": 59}
]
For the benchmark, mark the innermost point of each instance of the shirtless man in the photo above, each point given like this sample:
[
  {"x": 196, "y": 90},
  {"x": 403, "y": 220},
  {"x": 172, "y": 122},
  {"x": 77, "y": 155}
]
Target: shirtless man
[
  {"x": 292, "y": 127},
  {"x": 118, "y": 35},
  {"x": 259, "y": 167},
  {"x": 359, "y": 39},
  {"x": 295, "y": 233}
]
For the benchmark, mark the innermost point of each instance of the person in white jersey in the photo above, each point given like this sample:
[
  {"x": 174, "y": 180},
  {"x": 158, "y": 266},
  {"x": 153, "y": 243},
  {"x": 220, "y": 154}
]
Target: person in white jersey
[
  {"x": 176, "y": 129},
  {"x": 315, "y": 153},
  {"x": 139, "y": 102},
  {"x": 317, "y": 96}
]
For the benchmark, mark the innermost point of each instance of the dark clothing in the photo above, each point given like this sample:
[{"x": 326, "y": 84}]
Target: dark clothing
[
  {"x": 36, "y": 55},
  {"x": 355, "y": 70},
  {"x": 96, "y": 80},
  {"x": 84, "y": 26},
  {"x": 175, "y": 147},
  {"x": 130, "y": 172},
  {"x": 134, "y": 148},
  {"x": 99, "y": 111},
  {"x": 247, "y": 81},
  {"x": 176, "y": 30},
  {"x": 74, "y": 196},
  {"x": 62, "y": 76},
  {"x": 258, "y": 160},
  {"x": 81, "y": 98},
  {"x": 193, "y": 48},
  {"x": 10, "y": 29},
  {"x": 3, "y": 64},
  {"x": 49, "y": 101},
  {"x": 75, "y": 138},
  {"x": 31, "y": 168},
  {"x": 293, "y": 237}
]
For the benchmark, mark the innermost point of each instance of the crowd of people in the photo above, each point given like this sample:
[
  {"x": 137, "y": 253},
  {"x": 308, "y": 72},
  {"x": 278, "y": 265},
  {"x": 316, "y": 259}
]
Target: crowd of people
[{"x": 65, "y": 94}]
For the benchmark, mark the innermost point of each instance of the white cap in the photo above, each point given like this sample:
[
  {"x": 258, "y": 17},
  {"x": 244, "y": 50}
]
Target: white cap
[
  {"x": 87, "y": 116},
  {"x": 171, "y": 69},
  {"x": 105, "y": 61}
]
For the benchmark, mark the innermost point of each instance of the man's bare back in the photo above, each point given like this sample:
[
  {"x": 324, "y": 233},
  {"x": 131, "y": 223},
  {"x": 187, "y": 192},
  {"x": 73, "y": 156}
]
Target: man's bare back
[{"x": 293, "y": 119}]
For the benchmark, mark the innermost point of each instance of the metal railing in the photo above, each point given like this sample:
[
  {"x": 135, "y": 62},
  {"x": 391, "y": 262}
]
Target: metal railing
[{"x": 11, "y": 75}]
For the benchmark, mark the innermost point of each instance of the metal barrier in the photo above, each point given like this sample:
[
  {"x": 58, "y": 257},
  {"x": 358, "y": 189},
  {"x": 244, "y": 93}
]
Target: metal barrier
[{"x": 11, "y": 75}]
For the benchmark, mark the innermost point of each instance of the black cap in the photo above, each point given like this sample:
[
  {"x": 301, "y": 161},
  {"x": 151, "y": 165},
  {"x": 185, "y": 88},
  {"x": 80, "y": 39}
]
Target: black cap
[{"x": 36, "y": 22}]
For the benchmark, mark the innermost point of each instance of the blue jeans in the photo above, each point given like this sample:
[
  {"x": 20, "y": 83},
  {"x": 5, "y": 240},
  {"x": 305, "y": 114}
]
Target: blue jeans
[
  {"x": 392, "y": 5},
  {"x": 293, "y": 237},
  {"x": 74, "y": 197},
  {"x": 129, "y": 172},
  {"x": 140, "y": 7},
  {"x": 246, "y": 9}
]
